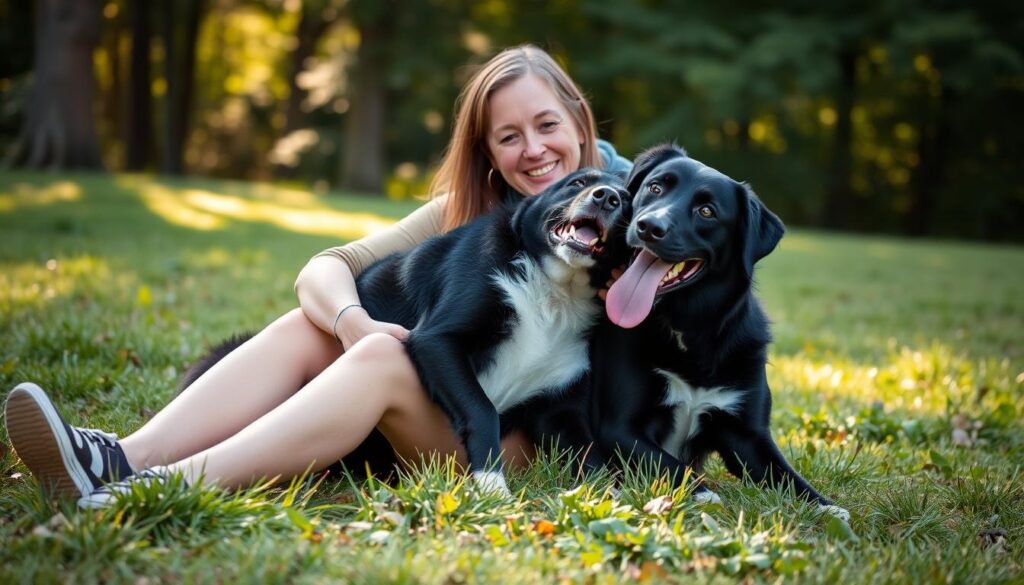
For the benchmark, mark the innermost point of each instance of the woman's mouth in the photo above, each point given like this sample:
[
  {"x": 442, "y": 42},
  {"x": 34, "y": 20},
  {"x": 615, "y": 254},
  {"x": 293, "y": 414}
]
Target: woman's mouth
[{"x": 541, "y": 171}]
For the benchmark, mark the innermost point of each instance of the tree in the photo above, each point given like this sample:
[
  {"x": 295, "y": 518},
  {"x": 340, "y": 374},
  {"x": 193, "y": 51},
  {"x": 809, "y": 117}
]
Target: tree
[
  {"x": 363, "y": 157},
  {"x": 139, "y": 136},
  {"x": 59, "y": 130},
  {"x": 180, "y": 21}
]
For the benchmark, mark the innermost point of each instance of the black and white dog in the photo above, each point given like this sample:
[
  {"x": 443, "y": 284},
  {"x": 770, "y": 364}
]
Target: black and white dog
[
  {"x": 680, "y": 371},
  {"x": 499, "y": 310}
]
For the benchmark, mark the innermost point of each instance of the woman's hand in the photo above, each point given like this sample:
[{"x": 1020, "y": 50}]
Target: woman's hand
[
  {"x": 356, "y": 324},
  {"x": 616, "y": 273}
]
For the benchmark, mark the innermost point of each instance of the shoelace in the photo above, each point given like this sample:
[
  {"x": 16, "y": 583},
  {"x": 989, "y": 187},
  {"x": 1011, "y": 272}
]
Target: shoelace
[
  {"x": 125, "y": 485},
  {"x": 98, "y": 436}
]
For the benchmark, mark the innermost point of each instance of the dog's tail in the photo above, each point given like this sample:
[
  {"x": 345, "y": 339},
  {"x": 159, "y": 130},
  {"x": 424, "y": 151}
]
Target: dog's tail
[{"x": 216, "y": 353}]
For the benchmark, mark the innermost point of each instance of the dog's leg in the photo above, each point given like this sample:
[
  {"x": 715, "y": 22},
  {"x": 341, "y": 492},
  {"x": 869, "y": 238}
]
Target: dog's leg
[
  {"x": 449, "y": 379},
  {"x": 756, "y": 454},
  {"x": 635, "y": 449}
]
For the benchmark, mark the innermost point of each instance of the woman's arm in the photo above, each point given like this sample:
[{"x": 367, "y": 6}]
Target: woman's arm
[{"x": 327, "y": 283}]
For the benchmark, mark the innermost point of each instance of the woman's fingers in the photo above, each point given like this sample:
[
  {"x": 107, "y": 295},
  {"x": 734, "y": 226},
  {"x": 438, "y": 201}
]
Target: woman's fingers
[{"x": 397, "y": 331}]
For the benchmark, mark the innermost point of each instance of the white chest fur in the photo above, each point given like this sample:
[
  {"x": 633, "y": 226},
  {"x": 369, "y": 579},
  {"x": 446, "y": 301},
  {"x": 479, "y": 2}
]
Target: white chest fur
[
  {"x": 547, "y": 347},
  {"x": 688, "y": 403}
]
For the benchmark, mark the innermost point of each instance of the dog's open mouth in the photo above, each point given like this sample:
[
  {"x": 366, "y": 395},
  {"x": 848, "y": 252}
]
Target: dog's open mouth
[
  {"x": 631, "y": 298},
  {"x": 679, "y": 274},
  {"x": 585, "y": 235}
]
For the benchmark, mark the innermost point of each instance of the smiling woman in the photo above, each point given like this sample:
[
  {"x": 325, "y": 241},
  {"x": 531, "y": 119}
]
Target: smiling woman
[
  {"x": 313, "y": 385},
  {"x": 532, "y": 139}
]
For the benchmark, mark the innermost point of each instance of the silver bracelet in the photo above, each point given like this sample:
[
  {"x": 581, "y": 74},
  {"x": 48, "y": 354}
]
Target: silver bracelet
[{"x": 334, "y": 329}]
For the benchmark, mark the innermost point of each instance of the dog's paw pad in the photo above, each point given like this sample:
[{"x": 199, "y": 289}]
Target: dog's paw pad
[
  {"x": 837, "y": 511},
  {"x": 707, "y": 497},
  {"x": 491, "y": 481}
]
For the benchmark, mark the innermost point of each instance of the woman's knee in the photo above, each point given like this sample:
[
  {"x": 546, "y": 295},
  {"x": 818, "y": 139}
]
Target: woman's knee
[
  {"x": 386, "y": 359},
  {"x": 378, "y": 347}
]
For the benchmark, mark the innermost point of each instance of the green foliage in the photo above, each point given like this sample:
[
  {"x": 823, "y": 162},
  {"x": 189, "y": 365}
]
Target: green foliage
[{"x": 897, "y": 378}]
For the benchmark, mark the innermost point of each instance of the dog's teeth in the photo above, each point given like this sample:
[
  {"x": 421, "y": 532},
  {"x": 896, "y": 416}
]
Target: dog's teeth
[{"x": 592, "y": 242}]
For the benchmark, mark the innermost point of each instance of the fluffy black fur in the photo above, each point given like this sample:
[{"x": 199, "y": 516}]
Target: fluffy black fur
[
  {"x": 446, "y": 291},
  {"x": 709, "y": 330}
]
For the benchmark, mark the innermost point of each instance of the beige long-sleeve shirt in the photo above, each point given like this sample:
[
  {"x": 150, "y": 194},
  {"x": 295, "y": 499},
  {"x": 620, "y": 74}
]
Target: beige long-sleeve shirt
[{"x": 424, "y": 223}]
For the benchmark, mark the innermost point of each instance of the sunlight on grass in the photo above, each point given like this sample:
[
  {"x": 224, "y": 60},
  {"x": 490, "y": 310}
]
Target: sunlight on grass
[
  {"x": 30, "y": 284},
  {"x": 927, "y": 379},
  {"x": 288, "y": 209},
  {"x": 168, "y": 204},
  {"x": 25, "y": 194}
]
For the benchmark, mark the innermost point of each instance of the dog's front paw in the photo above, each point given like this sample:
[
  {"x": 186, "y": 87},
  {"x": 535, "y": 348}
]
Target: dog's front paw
[
  {"x": 837, "y": 511},
  {"x": 706, "y": 496},
  {"x": 492, "y": 482}
]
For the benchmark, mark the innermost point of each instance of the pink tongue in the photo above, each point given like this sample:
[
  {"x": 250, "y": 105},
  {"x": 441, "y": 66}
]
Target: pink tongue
[
  {"x": 585, "y": 234},
  {"x": 631, "y": 297}
]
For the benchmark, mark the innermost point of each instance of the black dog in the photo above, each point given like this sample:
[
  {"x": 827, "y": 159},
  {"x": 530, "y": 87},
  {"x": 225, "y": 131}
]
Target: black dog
[
  {"x": 500, "y": 309},
  {"x": 688, "y": 376}
]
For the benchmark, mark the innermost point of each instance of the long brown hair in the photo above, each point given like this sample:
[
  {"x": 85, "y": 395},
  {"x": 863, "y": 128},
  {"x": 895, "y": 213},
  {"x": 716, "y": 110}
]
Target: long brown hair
[{"x": 464, "y": 170}]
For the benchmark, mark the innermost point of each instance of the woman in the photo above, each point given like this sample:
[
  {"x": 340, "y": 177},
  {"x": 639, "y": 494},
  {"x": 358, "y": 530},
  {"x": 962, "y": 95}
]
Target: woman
[{"x": 311, "y": 386}]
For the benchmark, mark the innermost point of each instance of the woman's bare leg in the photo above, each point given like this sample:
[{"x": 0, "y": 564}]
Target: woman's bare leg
[
  {"x": 373, "y": 385},
  {"x": 245, "y": 385}
]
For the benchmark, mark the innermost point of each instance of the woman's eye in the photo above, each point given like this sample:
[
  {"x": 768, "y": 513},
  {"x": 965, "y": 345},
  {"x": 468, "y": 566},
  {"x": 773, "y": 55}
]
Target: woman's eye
[
  {"x": 548, "y": 126},
  {"x": 654, "y": 188},
  {"x": 706, "y": 211},
  {"x": 507, "y": 139}
]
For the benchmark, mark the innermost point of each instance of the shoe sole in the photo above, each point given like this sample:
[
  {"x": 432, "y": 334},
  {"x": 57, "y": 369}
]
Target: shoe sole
[{"x": 40, "y": 441}]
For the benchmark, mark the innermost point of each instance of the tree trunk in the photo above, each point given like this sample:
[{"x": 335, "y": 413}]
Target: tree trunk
[
  {"x": 363, "y": 164},
  {"x": 59, "y": 130},
  {"x": 838, "y": 194},
  {"x": 139, "y": 139},
  {"x": 180, "y": 31}
]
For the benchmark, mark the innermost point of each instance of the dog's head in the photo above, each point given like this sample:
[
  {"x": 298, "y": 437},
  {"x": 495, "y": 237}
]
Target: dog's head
[
  {"x": 689, "y": 222},
  {"x": 581, "y": 220}
]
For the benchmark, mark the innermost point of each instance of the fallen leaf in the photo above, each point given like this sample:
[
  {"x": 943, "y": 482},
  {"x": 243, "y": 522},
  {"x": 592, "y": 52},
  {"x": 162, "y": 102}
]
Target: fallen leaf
[
  {"x": 544, "y": 527},
  {"x": 658, "y": 505},
  {"x": 652, "y": 570}
]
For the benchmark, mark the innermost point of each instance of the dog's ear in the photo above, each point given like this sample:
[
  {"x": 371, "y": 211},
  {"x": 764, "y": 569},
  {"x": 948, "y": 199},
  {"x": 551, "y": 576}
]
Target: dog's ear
[
  {"x": 762, "y": 230},
  {"x": 649, "y": 159}
]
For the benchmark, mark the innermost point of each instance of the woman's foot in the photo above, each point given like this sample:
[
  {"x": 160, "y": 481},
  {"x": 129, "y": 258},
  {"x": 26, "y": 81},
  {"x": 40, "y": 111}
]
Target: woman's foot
[{"x": 67, "y": 461}]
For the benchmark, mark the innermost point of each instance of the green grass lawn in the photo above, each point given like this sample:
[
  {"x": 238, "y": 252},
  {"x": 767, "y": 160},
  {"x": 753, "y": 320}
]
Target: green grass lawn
[{"x": 897, "y": 371}]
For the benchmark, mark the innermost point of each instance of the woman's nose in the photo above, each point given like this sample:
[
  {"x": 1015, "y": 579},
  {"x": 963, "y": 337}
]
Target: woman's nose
[{"x": 534, "y": 147}]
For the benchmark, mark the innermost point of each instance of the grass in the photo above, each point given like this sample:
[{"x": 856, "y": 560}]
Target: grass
[{"x": 897, "y": 372}]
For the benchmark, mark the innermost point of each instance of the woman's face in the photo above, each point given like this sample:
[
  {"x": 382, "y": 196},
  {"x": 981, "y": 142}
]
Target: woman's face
[{"x": 531, "y": 139}]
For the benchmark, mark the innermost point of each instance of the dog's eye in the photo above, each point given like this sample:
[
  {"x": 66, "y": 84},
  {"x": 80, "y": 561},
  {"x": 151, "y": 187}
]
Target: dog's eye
[
  {"x": 577, "y": 183},
  {"x": 654, "y": 188},
  {"x": 706, "y": 211}
]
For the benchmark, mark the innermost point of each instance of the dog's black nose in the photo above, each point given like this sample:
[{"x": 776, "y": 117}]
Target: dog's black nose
[
  {"x": 607, "y": 198},
  {"x": 651, "y": 229}
]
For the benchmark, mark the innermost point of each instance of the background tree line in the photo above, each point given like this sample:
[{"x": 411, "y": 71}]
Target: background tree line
[{"x": 902, "y": 116}]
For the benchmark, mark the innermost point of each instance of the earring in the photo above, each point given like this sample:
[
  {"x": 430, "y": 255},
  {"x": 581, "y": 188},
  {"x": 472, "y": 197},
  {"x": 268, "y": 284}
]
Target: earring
[{"x": 490, "y": 182}]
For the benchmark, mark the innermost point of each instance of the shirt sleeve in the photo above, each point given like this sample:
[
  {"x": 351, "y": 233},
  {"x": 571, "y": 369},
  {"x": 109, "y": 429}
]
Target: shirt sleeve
[
  {"x": 424, "y": 223},
  {"x": 613, "y": 161}
]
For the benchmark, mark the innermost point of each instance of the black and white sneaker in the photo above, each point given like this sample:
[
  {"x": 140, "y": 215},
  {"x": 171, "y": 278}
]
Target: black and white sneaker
[
  {"x": 67, "y": 461},
  {"x": 107, "y": 494}
]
